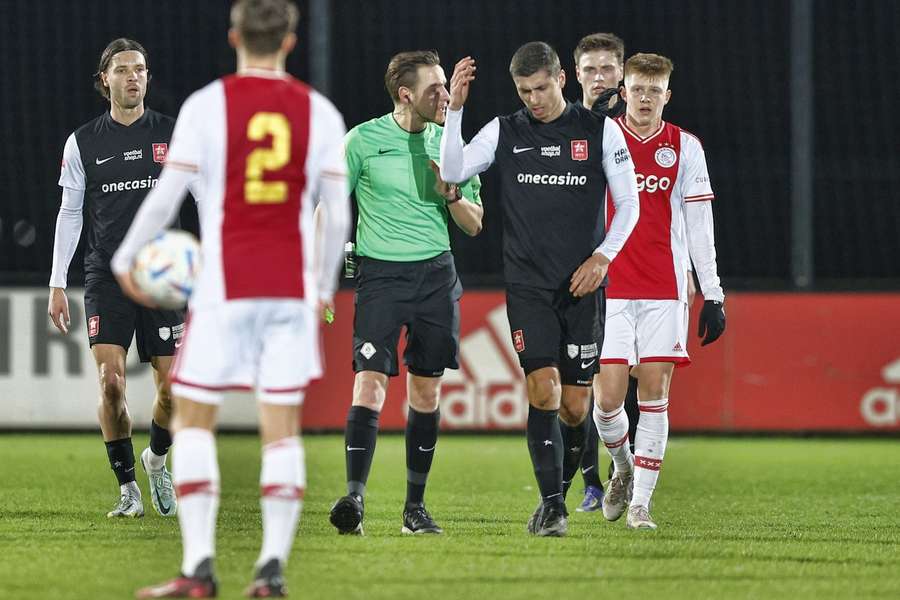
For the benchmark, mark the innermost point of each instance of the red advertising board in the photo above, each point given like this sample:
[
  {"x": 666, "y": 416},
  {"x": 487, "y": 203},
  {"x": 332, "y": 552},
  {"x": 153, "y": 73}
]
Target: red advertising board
[{"x": 787, "y": 362}]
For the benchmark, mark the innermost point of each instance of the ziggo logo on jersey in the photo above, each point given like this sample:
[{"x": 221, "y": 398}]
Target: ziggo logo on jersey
[{"x": 652, "y": 183}]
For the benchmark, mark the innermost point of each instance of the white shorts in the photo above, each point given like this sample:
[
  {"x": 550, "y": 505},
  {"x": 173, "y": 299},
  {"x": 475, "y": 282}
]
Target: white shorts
[
  {"x": 270, "y": 346},
  {"x": 639, "y": 331}
]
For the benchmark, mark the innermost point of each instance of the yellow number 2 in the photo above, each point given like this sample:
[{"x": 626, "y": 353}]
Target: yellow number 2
[{"x": 262, "y": 124}]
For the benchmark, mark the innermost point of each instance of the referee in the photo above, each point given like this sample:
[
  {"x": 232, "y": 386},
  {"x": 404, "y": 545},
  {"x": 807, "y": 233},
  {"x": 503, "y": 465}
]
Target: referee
[
  {"x": 556, "y": 160},
  {"x": 109, "y": 165},
  {"x": 406, "y": 278}
]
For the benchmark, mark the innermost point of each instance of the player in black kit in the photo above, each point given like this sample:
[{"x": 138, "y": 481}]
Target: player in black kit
[
  {"x": 109, "y": 165},
  {"x": 556, "y": 160}
]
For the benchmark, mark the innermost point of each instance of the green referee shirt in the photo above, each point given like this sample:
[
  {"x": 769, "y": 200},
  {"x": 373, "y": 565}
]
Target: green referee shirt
[{"x": 401, "y": 217}]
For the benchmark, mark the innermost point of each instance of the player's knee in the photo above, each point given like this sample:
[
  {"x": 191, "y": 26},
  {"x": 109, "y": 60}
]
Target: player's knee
[
  {"x": 424, "y": 394},
  {"x": 544, "y": 391},
  {"x": 164, "y": 398},
  {"x": 112, "y": 384},
  {"x": 369, "y": 390},
  {"x": 574, "y": 406}
]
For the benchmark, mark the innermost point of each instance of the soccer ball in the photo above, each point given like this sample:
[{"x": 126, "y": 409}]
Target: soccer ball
[{"x": 166, "y": 268}]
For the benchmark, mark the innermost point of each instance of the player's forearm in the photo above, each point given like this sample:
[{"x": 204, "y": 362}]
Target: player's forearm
[
  {"x": 702, "y": 248},
  {"x": 157, "y": 210},
  {"x": 333, "y": 227},
  {"x": 467, "y": 215},
  {"x": 459, "y": 161},
  {"x": 69, "y": 223},
  {"x": 623, "y": 189},
  {"x": 452, "y": 160}
]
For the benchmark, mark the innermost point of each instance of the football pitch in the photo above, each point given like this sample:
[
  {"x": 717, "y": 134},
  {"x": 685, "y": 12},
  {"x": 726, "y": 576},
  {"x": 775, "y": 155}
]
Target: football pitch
[{"x": 738, "y": 518}]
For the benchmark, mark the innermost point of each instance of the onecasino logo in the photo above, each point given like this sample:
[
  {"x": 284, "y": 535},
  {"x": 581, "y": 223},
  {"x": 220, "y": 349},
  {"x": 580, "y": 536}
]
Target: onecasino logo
[
  {"x": 545, "y": 179},
  {"x": 134, "y": 184}
]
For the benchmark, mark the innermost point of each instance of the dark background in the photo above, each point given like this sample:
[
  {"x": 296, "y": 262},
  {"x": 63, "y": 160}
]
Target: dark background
[{"x": 730, "y": 88}]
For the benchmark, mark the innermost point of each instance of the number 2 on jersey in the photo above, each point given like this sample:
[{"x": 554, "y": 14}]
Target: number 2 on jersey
[{"x": 273, "y": 158}]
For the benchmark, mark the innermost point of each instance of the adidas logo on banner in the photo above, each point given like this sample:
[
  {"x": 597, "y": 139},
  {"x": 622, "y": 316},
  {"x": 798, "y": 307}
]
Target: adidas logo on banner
[
  {"x": 488, "y": 390},
  {"x": 880, "y": 406}
]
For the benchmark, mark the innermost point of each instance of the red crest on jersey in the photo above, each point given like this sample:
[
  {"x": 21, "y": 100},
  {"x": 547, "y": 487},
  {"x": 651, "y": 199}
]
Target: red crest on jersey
[
  {"x": 159, "y": 152},
  {"x": 519, "y": 340},
  {"x": 579, "y": 150}
]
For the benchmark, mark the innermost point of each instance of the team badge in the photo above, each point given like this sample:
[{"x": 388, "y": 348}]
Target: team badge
[
  {"x": 367, "y": 350},
  {"x": 665, "y": 157},
  {"x": 165, "y": 333},
  {"x": 579, "y": 149},
  {"x": 519, "y": 340},
  {"x": 94, "y": 326},
  {"x": 572, "y": 350},
  {"x": 159, "y": 152}
]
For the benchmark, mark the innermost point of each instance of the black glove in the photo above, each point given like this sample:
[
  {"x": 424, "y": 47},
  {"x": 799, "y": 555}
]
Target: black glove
[
  {"x": 712, "y": 321},
  {"x": 601, "y": 104}
]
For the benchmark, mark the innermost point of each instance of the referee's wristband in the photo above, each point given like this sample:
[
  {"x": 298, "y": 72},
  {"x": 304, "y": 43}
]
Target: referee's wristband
[{"x": 456, "y": 197}]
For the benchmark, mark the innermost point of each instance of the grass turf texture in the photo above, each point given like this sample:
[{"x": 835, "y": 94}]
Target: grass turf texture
[{"x": 739, "y": 518}]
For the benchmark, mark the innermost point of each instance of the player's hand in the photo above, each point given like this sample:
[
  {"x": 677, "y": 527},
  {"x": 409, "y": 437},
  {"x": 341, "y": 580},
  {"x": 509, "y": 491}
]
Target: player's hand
[
  {"x": 588, "y": 277},
  {"x": 448, "y": 191},
  {"x": 712, "y": 321},
  {"x": 463, "y": 75},
  {"x": 326, "y": 310},
  {"x": 691, "y": 288},
  {"x": 58, "y": 309},
  {"x": 130, "y": 288}
]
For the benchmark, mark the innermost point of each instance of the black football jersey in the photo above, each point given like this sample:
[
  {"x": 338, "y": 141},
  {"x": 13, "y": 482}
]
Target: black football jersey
[
  {"x": 116, "y": 166},
  {"x": 553, "y": 194}
]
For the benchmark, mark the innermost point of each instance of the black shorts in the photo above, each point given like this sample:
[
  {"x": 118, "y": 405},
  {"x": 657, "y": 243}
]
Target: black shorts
[
  {"x": 112, "y": 318},
  {"x": 553, "y": 328},
  {"x": 423, "y": 296}
]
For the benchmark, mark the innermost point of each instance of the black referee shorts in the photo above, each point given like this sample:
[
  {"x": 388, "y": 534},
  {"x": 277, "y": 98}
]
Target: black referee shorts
[
  {"x": 552, "y": 328},
  {"x": 112, "y": 318},
  {"x": 423, "y": 296}
]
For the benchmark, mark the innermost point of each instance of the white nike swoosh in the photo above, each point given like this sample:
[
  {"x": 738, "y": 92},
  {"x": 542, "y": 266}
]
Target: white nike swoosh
[
  {"x": 100, "y": 162},
  {"x": 427, "y": 449},
  {"x": 517, "y": 150},
  {"x": 349, "y": 449},
  {"x": 585, "y": 365}
]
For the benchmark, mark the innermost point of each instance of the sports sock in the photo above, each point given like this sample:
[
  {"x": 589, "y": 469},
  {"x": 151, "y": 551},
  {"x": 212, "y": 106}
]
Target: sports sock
[
  {"x": 631, "y": 409},
  {"x": 421, "y": 440},
  {"x": 282, "y": 482},
  {"x": 160, "y": 442},
  {"x": 195, "y": 472},
  {"x": 546, "y": 449},
  {"x": 360, "y": 436},
  {"x": 650, "y": 445},
  {"x": 573, "y": 439},
  {"x": 613, "y": 430},
  {"x": 121, "y": 459},
  {"x": 590, "y": 460}
]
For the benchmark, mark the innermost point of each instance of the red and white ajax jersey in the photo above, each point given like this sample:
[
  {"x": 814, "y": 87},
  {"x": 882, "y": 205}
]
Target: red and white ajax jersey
[
  {"x": 671, "y": 170},
  {"x": 259, "y": 141}
]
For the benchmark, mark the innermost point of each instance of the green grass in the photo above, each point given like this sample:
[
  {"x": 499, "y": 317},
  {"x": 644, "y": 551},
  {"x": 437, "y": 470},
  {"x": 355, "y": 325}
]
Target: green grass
[{"x": 739, "y": 518}]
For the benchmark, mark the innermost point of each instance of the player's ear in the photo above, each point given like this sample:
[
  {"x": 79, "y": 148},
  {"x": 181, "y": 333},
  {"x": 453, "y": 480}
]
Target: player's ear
[
  {"x": 403, "y": 94},
  {"x": 668, "y": 97},
  {"x": 234, "y": 38},
  {"x": 288, "y": 43},
  {"x": 562, "y": 78}
]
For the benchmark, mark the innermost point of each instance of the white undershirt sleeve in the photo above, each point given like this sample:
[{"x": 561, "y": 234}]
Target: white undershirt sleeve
[
  {"x": 461, "y": 161},
  {"x": 698, "y": 217},
  {"x": 68, "y": 231},
  {"x": 623, "y": 189}
]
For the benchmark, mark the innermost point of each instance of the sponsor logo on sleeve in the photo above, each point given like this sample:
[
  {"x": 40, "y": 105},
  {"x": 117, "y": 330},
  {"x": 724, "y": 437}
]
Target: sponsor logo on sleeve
[{"x": 622, "y": 156}]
